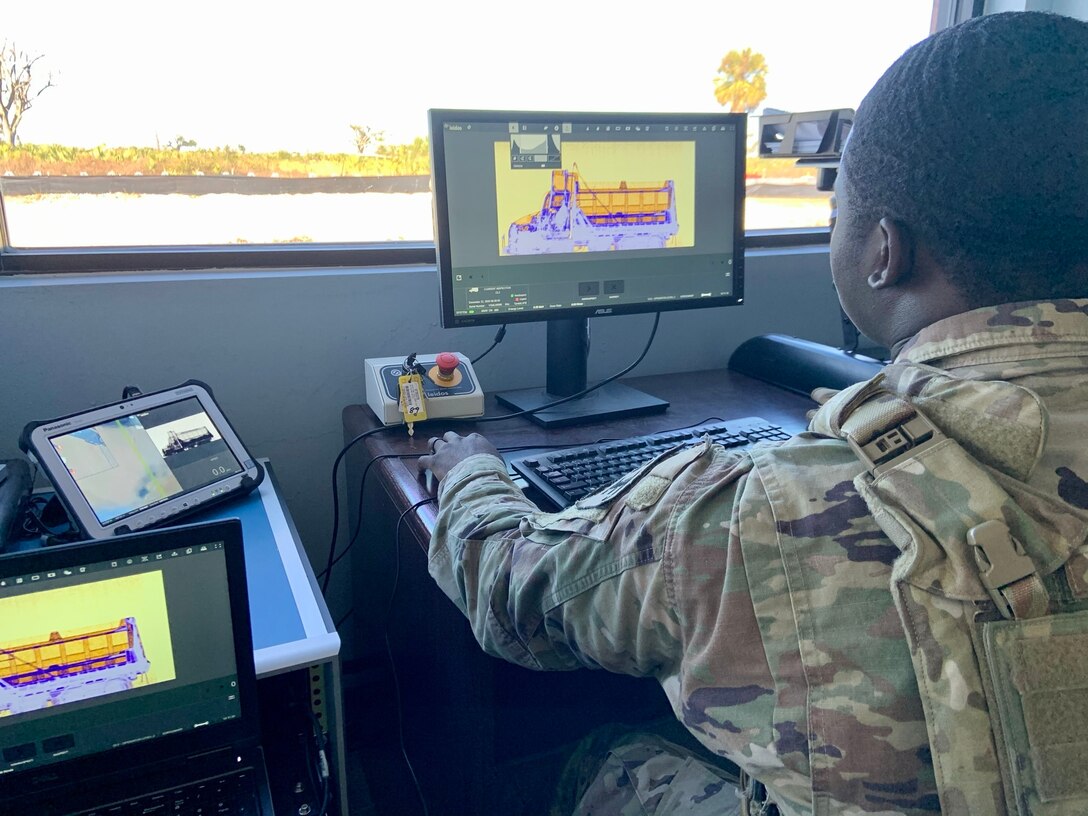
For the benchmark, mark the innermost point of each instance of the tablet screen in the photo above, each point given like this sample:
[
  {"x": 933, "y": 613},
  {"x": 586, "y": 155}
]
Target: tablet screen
[{"x": 130, "y": 463}]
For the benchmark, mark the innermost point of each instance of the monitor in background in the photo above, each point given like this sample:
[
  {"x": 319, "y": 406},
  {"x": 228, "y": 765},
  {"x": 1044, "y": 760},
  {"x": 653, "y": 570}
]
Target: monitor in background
[{"x": 566, "y": 216}]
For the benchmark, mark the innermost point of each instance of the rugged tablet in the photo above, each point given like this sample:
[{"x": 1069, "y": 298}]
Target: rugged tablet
[{"x": 142, "y": 462}]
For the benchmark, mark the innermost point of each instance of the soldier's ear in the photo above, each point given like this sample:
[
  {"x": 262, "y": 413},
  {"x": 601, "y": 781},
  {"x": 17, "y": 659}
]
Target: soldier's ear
[{"x": 896, "y": 261}]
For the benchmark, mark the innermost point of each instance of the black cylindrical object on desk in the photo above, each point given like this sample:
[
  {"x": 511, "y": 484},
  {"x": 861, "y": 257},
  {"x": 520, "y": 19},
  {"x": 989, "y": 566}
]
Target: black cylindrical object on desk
[{"x": 800, "y": 365}]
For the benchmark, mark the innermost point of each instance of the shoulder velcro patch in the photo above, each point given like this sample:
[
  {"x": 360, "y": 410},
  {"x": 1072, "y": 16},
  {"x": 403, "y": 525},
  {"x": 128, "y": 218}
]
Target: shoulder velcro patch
[
  {"x": 651, "y": 487},
  {"x": 1001, "y": 424}
]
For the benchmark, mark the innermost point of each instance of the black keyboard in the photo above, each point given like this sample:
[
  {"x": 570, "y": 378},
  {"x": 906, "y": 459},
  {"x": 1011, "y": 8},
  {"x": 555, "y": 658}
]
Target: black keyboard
[
  {"x": 565, "y": 476},
  {"x": 234, "y": 794}
]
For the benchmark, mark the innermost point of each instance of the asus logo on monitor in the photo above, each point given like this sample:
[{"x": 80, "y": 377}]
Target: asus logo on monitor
[{"x": 602, "y": 311}]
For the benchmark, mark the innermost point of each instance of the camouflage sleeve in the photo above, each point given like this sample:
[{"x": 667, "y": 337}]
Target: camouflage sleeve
[{"x": 582, "y": 587}]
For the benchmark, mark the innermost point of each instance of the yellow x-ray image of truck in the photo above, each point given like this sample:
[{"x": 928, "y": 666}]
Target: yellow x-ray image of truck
[
  {"x": 62, "y": 669},
  {"x": 578, "y": 217}
]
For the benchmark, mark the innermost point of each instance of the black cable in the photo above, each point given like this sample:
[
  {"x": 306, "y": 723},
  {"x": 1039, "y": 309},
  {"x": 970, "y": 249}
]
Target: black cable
[
  {"x": 359, "y": 515},
  {"x": 380, "y": 457},
  {"x": 333, "y": 558},
  {"x": 499, "y": 335},
  {"x": 336, "y": 497},
  {"x": 326, "y": 798},
  {"x": 33, "y": 516},
  {"x": 313, "y": 762},
  {"x": 34, "y": 524},
  {"x": 344, "y": 618},
  {"x": 320, "y": 764},
  {"x": 389, "y": 649},
  {"x": 583, "y": 392},
  {"x": 564, "y": 400}
]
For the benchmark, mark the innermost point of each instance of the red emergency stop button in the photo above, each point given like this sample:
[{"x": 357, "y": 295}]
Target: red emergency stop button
[{"x": 447, "y": 363}]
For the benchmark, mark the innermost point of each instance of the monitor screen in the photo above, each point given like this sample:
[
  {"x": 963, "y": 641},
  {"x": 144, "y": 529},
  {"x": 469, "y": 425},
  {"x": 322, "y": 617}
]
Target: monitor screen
[{"x": 556, "y": 215}]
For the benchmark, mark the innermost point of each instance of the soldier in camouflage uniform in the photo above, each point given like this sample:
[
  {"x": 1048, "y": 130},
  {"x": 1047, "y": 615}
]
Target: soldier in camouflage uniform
[{"x": 755, "y": 585}]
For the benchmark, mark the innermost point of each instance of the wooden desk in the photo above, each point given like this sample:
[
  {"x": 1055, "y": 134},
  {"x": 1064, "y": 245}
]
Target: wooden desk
[{"x": 485, "y": 736}]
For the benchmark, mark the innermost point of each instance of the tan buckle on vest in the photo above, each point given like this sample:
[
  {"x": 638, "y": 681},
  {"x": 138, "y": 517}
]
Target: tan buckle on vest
[
  {"x": 907, "y": 439},
  {"x": 1001, "y": 561}
]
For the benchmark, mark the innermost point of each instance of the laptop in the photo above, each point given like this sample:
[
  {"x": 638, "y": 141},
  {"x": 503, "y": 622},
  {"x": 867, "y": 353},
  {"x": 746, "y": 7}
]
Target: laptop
[{"x": 126, "y": 677}]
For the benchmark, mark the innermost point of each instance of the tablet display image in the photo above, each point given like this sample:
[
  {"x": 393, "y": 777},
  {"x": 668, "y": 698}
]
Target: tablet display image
[{"x": 134, "y": 462}]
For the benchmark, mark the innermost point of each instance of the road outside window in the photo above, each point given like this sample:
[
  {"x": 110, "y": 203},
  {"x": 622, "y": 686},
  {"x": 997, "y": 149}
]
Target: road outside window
[{"x": 225, "y": 124}]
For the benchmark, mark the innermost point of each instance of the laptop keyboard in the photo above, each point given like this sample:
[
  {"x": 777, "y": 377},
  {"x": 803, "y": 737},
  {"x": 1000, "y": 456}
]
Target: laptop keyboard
[{"x": 232, "y": 795}]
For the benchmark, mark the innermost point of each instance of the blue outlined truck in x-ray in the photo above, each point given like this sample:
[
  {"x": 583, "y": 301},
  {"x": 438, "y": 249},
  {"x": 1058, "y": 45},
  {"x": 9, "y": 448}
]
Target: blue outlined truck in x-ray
[
  {"x": 578, "y": 218},
  {"x": 63, "y": 669}
]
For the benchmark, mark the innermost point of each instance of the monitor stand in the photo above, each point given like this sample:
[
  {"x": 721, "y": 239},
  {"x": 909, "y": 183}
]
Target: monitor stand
[{"x": 568, "y": 350}]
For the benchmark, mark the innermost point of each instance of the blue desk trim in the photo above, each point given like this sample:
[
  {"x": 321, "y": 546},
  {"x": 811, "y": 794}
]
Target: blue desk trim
[{"x": 285, "y": 635}]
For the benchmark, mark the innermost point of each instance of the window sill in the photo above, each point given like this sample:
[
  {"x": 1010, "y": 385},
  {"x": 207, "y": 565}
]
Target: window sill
[
  {"x": 176, "y": 258},
  {"x": 290, "y": 256}
]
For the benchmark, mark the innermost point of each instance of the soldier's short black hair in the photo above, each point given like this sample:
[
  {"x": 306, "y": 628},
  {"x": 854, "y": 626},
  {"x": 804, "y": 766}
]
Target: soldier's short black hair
[{"x": 976, "y": 139}]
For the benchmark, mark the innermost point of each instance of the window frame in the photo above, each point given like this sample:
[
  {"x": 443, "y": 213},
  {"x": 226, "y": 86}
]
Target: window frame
[
  {"x": 54, "y": 261},
  {"x": 193, "y": 257},
  {"x": 176, "y": 258},
  {"x": 76, "y": 260}
]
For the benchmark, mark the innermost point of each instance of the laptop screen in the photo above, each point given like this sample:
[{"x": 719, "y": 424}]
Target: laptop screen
[{"x": 100, "y": 653}]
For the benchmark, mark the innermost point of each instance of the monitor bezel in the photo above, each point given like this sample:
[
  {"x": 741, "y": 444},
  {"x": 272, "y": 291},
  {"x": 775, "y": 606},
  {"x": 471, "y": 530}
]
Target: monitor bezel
[{"x": 440, "y": 210}]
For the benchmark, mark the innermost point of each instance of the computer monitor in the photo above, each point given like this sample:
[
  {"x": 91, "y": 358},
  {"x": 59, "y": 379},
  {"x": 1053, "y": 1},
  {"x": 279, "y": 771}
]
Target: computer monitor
[{"x": 565, "y": 216}]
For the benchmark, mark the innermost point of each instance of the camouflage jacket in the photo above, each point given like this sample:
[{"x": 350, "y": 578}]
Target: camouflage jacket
[{"x": 755, "y": 586}]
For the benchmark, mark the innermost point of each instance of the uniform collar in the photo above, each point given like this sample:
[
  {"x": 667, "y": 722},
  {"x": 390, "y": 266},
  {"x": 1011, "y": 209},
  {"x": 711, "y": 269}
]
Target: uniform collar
[{"x": 993, "y": 333}]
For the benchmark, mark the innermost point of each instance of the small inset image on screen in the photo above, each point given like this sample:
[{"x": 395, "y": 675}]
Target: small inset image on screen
[
  {"x": 535, "y": 150},
  {"x": 134, "y": 462}
]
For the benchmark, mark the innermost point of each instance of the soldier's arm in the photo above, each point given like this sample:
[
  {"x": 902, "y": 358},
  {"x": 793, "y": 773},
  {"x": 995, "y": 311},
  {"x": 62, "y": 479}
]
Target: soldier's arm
[{"x": 583, "y": 587}]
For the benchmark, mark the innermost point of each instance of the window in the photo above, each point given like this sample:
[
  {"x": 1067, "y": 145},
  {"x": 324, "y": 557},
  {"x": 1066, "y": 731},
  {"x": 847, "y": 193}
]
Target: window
[{"x": 226, "y": 124}]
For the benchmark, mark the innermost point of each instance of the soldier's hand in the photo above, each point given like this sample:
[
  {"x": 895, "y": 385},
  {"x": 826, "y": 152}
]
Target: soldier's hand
[
  {"x": 451, "y": 448},
  {"x": 820, "y": 396}
]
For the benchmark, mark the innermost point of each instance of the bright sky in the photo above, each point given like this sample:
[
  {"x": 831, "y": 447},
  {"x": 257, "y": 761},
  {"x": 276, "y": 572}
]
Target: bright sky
[{"x": 294, "y": 77}]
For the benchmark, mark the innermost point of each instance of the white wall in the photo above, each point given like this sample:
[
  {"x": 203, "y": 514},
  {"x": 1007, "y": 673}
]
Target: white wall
[{"x": 283, "y": 350}]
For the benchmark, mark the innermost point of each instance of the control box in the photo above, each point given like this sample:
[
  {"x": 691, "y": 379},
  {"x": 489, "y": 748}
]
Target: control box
[{"x": 450, "y": 387}]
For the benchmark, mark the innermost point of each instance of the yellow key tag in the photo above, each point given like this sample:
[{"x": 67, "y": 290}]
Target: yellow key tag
[{"x": 412, "y": 403}]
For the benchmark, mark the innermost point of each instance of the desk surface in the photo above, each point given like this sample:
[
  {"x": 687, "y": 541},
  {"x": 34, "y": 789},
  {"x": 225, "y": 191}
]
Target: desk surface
[
  {"x": 292, "y": 627},
  {"x": 694, "y": 397}
]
